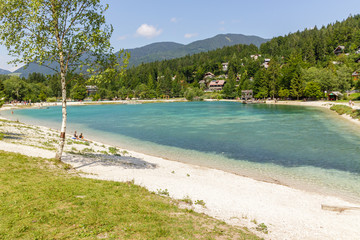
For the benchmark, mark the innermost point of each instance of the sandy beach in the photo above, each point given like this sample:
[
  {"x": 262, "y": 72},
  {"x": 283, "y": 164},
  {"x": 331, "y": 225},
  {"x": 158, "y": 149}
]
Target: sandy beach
[{"x": 288, "y": 213}]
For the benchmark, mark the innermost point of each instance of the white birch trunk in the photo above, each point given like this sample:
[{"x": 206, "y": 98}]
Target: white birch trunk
[{"x": 64, "y": 113}]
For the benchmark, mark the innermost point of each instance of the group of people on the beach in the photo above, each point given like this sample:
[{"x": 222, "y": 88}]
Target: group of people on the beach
[
  {"x": 80, "y": 137},
  {"x": 351, "y": 103}
]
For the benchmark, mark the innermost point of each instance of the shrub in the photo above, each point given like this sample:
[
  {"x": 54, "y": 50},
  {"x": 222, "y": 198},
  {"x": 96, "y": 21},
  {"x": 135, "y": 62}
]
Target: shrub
[
  {"x": 342, "y": 109},
  {"x": 355, "y": 96},
  {"x": 193, "y": 93},
  {"x": 87, "y": 150},
  {"x": 113, "y": 150},
  {"x": 163, "y": 192},
  {"x": 187, "y": 200},
  {"x": 200, "y": 202},
  {"x": 96, "y": 97},
  {"x": 262, "y": 228},
  {"x": 51, "y": 99}
]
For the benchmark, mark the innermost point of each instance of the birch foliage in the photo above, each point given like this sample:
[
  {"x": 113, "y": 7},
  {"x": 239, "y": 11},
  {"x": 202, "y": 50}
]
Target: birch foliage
[{"x": 70, "y": 33}]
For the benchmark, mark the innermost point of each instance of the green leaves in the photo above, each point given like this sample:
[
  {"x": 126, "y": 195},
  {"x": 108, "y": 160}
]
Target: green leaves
[{"x": 55, "y": 31}]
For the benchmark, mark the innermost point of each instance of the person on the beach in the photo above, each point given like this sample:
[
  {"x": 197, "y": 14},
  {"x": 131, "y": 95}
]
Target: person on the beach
[
  {"x": 75, "y": 136},
  {"x": 81, "y": 136}
]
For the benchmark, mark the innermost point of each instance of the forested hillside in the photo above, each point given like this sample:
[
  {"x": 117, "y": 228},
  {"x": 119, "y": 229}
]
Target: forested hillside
[
  {"x": 317, "y": 45},
  {"x": 298, "y": 65},
  {"x": 302, "y": 64}
]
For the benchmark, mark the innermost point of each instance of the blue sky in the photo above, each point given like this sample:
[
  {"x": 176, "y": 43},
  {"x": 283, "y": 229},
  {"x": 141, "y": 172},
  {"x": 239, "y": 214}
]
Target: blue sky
[{"x": 140, "y": 22}]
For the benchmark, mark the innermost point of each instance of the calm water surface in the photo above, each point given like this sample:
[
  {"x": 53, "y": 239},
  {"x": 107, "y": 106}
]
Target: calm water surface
[{"x": 298, "y": 146}]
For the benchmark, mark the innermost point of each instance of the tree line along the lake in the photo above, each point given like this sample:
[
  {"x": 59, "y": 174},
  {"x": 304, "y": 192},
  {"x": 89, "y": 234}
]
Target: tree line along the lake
[{"x": 302, "y": 64}]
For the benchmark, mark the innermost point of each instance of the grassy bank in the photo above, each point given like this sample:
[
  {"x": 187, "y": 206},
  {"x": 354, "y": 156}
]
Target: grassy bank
[
  {"x": 40, "y": 199},
  {"x": 342, "y": 109}
]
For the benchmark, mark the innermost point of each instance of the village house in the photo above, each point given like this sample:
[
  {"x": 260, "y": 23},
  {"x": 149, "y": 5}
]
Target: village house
[
  {"x": 246, "y": 94},
  {"x": 217, "y": 85},
  {"x": 255, "y": 57},
  {"x": 91, "y": 90},
  {"x": 334, "y": 96},
  {"x": 266, "y": 63},
  {"x": 339, "y": 50},
  {"x": 209, "y": 75},
  {"x": 355, "y": 76},
  {"x": 225, "y": 66},
  {"x": 357, "y": 50}
]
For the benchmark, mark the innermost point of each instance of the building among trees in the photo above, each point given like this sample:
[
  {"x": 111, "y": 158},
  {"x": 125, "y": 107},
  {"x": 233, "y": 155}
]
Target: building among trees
[
  {"x": 91, "y": 90},
  {"x": 334, "y": 96},
  {"x": 217, "y": 85},
  {"x": 246, "y": 94},
  {"x": 339, "y": 50}
]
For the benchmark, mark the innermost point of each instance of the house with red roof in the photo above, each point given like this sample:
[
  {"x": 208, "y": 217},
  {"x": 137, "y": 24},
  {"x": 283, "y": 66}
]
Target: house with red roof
[{"x": 217, "y": 85}]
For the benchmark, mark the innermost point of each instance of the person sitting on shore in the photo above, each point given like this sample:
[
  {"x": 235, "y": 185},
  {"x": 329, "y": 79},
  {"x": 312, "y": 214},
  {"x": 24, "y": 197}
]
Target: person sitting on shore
[
  {"x": 75, "y": 136},
  {"x": 81, "y": 137}
]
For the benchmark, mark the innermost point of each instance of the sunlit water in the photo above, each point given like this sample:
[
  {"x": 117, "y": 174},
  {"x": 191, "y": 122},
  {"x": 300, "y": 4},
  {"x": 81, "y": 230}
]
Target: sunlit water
[{"x": 303, "y": 147}]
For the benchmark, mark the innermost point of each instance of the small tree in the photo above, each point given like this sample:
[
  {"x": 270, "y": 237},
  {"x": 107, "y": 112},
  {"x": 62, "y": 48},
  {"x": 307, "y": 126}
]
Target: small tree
[
  {"x": 69, "y": 33},
  {"x": 192, "y": 93},
  {"x": 229, "y": 90},
  {"x": 296, "y": 87},
  {"x": 284, "y": 93},
  {"x": 78, "y": 92},
  {"x": 262, "y": 93},
  {"x": 313, "y": 90},
  {"x": 42, "y": 96}
]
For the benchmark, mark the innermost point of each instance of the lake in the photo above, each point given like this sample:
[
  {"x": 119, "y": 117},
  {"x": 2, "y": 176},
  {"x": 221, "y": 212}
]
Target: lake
[{"x": 303, "y": 147}]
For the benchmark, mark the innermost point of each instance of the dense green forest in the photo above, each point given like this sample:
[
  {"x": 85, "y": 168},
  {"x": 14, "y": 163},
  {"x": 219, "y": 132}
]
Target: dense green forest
[{"x": 302, "y": 64}]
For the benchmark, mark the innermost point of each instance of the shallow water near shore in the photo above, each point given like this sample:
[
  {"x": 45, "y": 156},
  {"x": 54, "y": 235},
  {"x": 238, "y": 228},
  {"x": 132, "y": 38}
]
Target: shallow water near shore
[{"x": 303, "y": 147}]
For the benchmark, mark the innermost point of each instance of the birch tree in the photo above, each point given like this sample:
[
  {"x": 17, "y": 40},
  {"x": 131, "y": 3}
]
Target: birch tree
[{"x": 60, "y": 34}]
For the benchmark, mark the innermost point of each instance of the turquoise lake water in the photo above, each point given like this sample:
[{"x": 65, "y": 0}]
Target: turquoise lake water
[{"x": 308, "y": 148}]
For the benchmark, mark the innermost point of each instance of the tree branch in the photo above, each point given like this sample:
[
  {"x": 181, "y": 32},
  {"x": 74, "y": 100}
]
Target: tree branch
[{"x": 81, "y": 9}]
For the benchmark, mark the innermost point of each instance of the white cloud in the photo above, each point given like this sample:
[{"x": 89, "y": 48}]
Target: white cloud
[
  {"x": 148, "y": 31},
  {"x": 222, "y": 22},
  {"x": 190, "y": 35},
  {"x": 174, "y": 20}
]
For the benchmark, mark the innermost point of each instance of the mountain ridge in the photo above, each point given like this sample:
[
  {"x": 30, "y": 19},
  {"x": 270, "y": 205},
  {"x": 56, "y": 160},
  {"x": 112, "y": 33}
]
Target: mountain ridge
[
  {"x": 176, "y": 50},
  {"x": 160, "y": 51},
  {"x": 3, "y": 71}
]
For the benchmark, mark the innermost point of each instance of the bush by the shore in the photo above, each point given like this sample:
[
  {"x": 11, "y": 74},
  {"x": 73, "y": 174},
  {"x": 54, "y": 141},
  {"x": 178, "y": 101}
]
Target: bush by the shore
[
  {"x": 342, "y": 109},
  {"x": 51, "y": 99}
]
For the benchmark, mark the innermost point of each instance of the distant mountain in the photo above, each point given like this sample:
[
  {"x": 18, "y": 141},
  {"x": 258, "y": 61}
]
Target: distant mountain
[
  {"x": 170, "y": 50},
  {"x": 3, "y": 71},
  {"x": 34, "y": 67},
  {"x": 167, "y": 50},
  {"x": 222, "y": 40}
]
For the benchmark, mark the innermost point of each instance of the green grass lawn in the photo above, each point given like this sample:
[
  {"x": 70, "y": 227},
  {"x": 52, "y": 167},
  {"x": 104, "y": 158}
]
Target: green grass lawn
[{"x": 41, "y": 200}]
